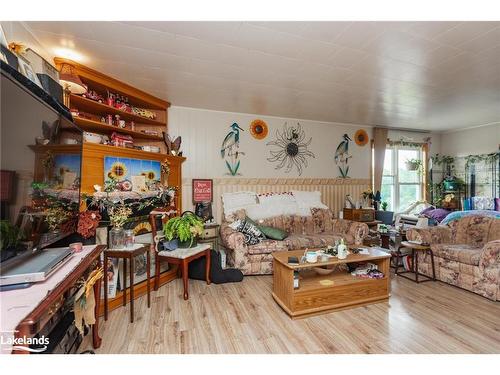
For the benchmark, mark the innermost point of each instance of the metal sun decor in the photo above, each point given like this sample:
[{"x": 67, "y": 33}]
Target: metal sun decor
[{"x": 291, "y": 148}]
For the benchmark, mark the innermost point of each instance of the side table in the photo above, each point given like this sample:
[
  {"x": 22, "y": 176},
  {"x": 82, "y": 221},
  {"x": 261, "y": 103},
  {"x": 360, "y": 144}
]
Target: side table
[
  {"x": 130, "y": 254},
  {"x": 183, "y": 256},
  {"x": 415, "y": 248},
  {"x": 210, "y": 235}
]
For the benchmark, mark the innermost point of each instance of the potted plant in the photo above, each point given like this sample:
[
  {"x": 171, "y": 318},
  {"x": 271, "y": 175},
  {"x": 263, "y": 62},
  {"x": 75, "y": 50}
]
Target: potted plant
[
  {"x": 186, "y": 228},
  {"x": 384, "y": 216},
  {"x": 9, "y": 239},
  {"x": 414, "y": 165}
]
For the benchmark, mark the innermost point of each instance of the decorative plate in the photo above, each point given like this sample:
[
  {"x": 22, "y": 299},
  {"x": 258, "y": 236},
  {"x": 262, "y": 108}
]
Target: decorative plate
[
  {"x": 259, "y": 129},
  {"x": 361, "y": 137}
]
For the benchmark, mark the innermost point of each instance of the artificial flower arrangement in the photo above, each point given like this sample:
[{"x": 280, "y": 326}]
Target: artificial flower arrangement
[
  {"x": 119, "y": 214},
  {"x": 88, "y": 221}
]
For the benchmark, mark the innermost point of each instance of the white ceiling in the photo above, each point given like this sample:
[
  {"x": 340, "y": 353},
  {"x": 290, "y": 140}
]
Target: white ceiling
[{"x": 425, "y": 75}]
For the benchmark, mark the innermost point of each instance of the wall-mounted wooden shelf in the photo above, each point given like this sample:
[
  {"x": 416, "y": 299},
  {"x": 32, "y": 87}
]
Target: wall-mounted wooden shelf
[
  {"x": 99, "y": 127},
  {"x": 100, "y": 109}
]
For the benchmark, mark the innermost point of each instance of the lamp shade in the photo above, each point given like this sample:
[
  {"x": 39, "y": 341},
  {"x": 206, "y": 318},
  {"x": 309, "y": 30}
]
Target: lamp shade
[{"x": 70, "y": 80}]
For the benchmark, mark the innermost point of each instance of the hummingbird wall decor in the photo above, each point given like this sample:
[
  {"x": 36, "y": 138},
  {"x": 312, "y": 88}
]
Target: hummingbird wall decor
[{"x": 229, "y": 150}]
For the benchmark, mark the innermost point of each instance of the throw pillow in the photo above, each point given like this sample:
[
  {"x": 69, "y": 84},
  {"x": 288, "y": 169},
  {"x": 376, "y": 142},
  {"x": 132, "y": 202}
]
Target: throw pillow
[
  {"x": 252, "y": 234},
  {"x": 273, "y": 233}
]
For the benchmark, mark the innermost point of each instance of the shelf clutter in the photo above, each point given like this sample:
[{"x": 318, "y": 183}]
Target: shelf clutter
[{"x": 114, "y": 113}]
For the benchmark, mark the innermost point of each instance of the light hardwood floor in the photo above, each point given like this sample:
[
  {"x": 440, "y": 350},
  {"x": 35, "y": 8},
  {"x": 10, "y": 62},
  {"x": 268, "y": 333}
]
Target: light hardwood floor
[{"x": 431, "y": 317}]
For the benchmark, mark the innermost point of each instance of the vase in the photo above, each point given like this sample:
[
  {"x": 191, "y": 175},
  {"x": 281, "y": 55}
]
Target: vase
[{"x": 116, "y": 238}]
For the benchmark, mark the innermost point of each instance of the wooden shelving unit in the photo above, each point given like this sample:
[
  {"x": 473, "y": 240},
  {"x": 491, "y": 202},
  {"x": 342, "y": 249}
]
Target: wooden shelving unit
[
  {"x": 92, "y": 163},
  {"x": 100, "y": 109},
  {"x": 102, "y": 128}
]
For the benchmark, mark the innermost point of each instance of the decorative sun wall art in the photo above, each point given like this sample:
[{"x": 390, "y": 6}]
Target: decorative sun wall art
[
  {"x": 291, "y": 149},
  {"x": 361, "y": 137},
  {"x": 258, "y": 129},
  {"x": 230, "y": 149}
]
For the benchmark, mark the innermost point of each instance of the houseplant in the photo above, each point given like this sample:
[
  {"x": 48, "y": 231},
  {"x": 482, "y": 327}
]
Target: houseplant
[
  {"x": 9, "y": 239},
  {"x": 186, "y": 228},
  {"x": 383, "y": 215},
  {"x": 414, "y": 165}
]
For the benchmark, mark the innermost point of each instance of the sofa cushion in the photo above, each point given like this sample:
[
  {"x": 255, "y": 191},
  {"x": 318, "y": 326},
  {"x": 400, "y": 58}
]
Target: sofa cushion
[
  {"x": 302, "y": 241},
  {"x": 267, "y": 247},
  {"x": 273, "y": 233},
  {"x": 462, "y": 253},
  {"x": 252, "y": 234},
  {"x": 472, "y": 230}
]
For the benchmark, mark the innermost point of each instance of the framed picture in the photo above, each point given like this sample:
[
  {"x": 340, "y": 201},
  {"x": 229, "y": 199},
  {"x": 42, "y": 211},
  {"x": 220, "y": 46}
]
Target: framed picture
[
  {"x": 3, "y": 39},
  {"x": 3, "y": 57},
  {"x": 26, "y": 69},
  {"x": 202, "y": 190}
]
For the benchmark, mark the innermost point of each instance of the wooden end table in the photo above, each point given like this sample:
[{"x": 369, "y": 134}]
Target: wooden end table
[
  {"x": 183, "y": 257},
  {"x": 415, "y": 248},
  {"x": 130, "y": 254}
]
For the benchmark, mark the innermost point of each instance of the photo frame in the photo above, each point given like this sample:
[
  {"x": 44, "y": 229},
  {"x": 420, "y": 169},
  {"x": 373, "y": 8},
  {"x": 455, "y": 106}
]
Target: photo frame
[
  {"x": 3, "y": 39},
  {"x": 27, "y": 70},
  {"x": 203, "y": 190}
]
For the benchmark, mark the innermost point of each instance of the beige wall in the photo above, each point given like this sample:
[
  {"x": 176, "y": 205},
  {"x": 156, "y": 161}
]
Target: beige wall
[
  {"x": 480, "y": 140},
  {"x": 203, "y": 132}
]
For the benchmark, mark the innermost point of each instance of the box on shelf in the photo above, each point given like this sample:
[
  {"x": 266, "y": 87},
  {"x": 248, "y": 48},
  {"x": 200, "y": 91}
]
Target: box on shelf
[{"x": 359, "y": 214}]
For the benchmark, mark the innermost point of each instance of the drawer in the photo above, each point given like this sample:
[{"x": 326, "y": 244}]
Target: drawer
[{"x": 209, "y": 233}]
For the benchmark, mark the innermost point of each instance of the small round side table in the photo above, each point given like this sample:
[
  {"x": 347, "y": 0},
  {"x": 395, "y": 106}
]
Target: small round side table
[{"x": 415, "y": 248}]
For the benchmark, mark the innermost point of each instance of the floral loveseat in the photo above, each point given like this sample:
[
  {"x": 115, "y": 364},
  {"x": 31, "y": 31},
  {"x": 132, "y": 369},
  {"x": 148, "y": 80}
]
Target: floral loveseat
[
  {"x": 466, "y": 253},
  {"x": 317, "y": 230}
]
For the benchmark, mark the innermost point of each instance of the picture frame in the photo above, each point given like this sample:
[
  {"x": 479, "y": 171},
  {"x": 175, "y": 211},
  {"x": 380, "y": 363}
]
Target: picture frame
[
  {"x": 3, "y": 58},
  {"x": 3, "y": 39},
  {"x": 27, "y": 70},
  {"x": 203, "y": 190}
]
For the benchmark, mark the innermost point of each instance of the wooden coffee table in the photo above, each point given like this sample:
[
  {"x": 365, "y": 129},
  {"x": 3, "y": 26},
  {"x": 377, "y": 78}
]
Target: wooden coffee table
[{"x": 318, "y": 294}]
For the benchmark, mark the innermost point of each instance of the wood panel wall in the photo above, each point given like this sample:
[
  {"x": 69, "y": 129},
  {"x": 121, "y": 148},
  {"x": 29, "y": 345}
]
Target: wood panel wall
[{"x": 333, "y": 190}]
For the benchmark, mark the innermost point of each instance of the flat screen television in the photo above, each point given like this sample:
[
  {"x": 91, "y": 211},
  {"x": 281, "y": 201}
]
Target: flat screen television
[{"x": 40, "y": 167}]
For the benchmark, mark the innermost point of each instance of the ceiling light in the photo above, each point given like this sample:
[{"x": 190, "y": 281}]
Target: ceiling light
[{"x": 68, "y": 53}]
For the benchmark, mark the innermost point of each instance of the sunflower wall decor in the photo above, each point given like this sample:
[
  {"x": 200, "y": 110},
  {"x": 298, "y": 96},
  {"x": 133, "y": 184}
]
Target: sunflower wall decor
[
  {"x": 361, "y": 137},
  {"x": 121, "y": 170},
  {"x": 291, "y": 149},
  {"x": 259, "y": 129}
]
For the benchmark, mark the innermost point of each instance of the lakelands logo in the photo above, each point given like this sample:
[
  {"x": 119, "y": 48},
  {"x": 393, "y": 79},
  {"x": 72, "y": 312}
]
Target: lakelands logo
[{"x": 10, "y": 342}]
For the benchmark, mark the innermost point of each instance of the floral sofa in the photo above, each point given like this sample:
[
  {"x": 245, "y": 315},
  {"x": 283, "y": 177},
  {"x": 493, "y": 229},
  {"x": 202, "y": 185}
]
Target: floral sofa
[
  {"x": 317, "y": 230},
  {"x": 466, "y": 253}
]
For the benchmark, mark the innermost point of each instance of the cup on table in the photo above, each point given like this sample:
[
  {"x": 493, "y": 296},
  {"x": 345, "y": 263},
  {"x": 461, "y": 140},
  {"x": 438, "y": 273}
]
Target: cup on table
[{"x": 311, "y": 257}]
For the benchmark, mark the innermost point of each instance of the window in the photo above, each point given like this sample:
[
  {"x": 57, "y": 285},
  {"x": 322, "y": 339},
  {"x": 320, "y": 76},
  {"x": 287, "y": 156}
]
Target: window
[{"x": 400, "y": 186}]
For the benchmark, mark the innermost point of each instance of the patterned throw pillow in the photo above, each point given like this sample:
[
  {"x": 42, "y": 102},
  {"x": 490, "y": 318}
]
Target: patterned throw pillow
[{"x": 253, "y": 235}]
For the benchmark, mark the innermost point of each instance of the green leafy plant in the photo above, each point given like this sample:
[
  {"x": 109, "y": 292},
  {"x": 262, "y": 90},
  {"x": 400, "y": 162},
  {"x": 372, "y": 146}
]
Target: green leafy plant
[
  {"x": 384, "y": 206},
  {"x": 186, "y": 227},
  {"x": 9, "y": 235}
]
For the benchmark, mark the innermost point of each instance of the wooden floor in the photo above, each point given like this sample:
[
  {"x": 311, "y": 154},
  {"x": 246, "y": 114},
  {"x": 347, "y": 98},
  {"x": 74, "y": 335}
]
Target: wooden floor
[{"x": 431, "y": 317}]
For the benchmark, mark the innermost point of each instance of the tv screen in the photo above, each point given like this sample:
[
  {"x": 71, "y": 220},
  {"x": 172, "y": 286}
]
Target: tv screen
[{"x": 40, "y": 167}]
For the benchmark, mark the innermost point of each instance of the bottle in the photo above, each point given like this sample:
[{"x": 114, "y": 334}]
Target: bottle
[{"x": 342, "y": 250}]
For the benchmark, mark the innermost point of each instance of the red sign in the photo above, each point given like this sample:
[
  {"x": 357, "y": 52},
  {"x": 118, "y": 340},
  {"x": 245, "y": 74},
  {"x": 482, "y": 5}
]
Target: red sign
[{"x": 202, "y": 191}]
